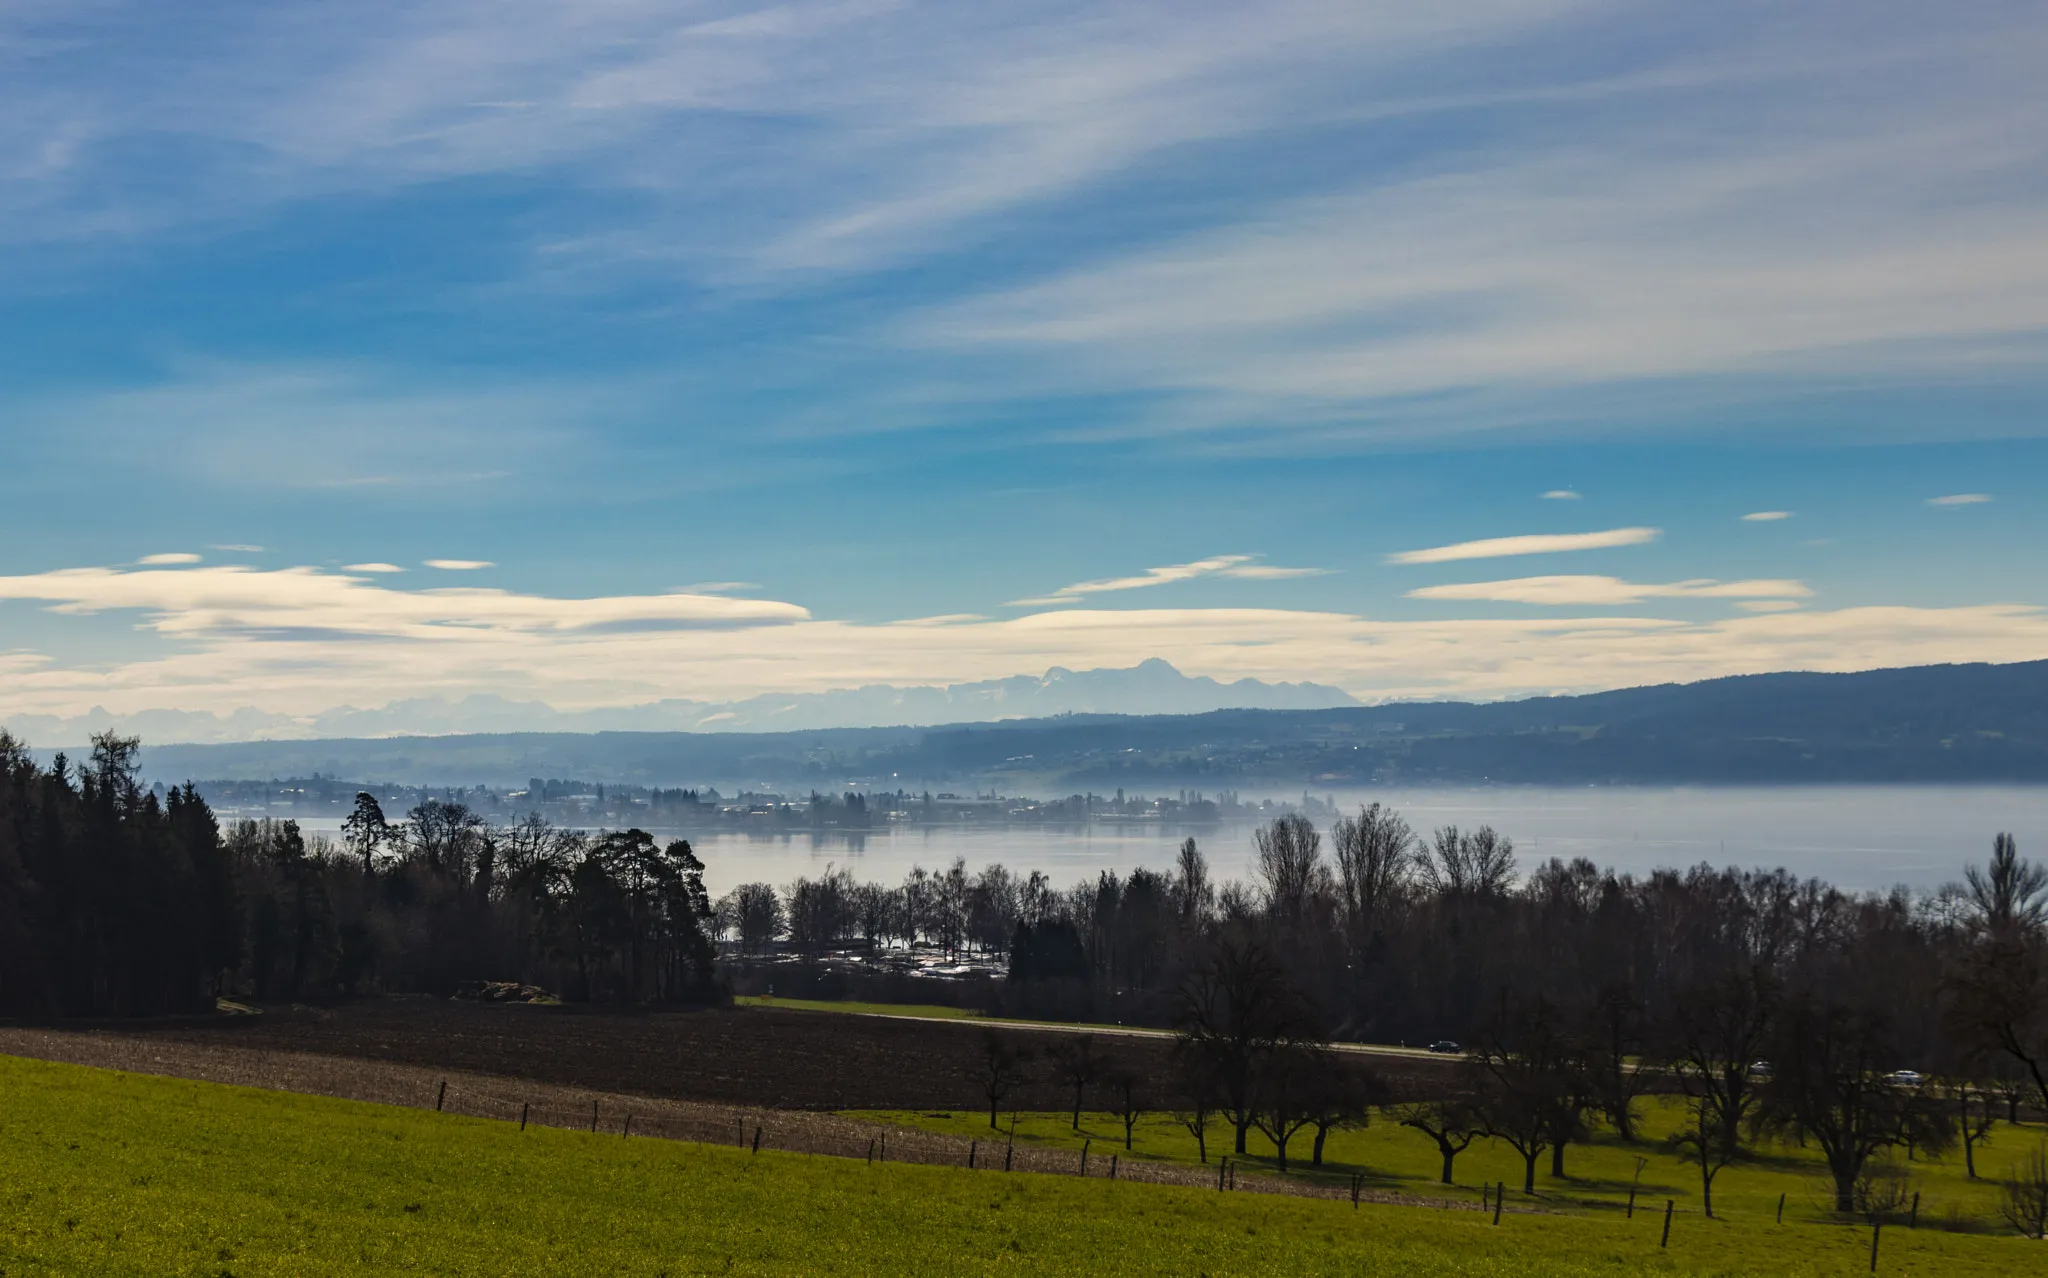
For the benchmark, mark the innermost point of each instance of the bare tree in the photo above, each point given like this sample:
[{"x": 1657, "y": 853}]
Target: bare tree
[
  {"x": 1288, "y": 1080},
  {"x": 1193, "y": 895},
  {"x": 1129, "y": 1098},
  {"x": 1532, "y": 1090},
  {"x": 1374, "y": 852},
  {"x": 999, "y": 1069},
  {"x": 1076, "y": 1063},
  {"x": 1237, "y": 1008},
  {"x": 1719, "y": 1028},
  {"x": 1831, "y": 1086},
  {"x": 1196, "y": 1095},
  {"x": 1289, "y": 853},
  {"x": 1452, "y": 1121},
  {"x": 2023, "y": 1196},
  {"x": 1476, "y": 863},
  {"x": 2009, "y": 895},
  {"x": 1974, "y": 1128}
]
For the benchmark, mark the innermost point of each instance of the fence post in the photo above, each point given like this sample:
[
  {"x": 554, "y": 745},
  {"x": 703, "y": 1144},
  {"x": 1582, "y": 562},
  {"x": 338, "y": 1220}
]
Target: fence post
[
  {"x": 522, "y": 1115},
  {"x": 1008, "y": 1152},
  {"x": 884, "y": 1155},
  {"x": 1355, "y": 1179},
  {"x": 1084, "y": 1154},
  {"x": 1222, "y": 1165},
  {"x": 1112, "y": 1166},
  {"x": 440, "y": 1096},
  {"x": 627, "y": 1130},
  {"x": 742, "y": 1121},
  {"x": 593, "y": 1116},
  {"x": 1233, "y": 1173},
  {"x": 871, "y": 1151},
  {"x": 1876, "y": 1228},
  {"x": 1500, "y": 1191},
  {"x": 1665, "y": 1241},
  {"x": 757, "y": 1138},
  {"x": 1631, "y": 1202},
  {"x": 1914, "y": 1223},
  {"x": 972, "y": 1147},
  {"x": 1485, "y": 1197},
  {"x": 1781, "y": 1209}
]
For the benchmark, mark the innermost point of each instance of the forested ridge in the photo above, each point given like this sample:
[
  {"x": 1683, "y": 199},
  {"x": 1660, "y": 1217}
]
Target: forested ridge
[{"x": 1982, "y": 723}]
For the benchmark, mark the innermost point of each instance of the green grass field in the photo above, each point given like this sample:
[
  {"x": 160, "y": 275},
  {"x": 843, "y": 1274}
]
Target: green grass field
[
  {"x": 109, "y": 1173},
  {"x": 1598, "y": 1174}
]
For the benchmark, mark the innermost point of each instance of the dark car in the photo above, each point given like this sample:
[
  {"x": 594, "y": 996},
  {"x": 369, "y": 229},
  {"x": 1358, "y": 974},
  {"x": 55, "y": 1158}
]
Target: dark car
[{"x": 1445, "y": 1047}]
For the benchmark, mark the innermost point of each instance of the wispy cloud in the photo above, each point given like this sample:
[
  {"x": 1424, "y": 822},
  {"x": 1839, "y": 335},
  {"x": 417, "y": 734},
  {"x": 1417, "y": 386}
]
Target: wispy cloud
[
  {"x": 459, "y": 565},
  {"x": 171, "y": 557},
  {"x": 237, "y": 548},
  {"x": 1533, "y": 544},
  {"x": 1242, "y": 567},
  {"x": 372, "y": 567},
  {"x": 1609, "y": 591},
  {"x": 1960, "y": 499},
  {"x": 1561, "y": 494},
  {"x": 1766, "y": 516}
]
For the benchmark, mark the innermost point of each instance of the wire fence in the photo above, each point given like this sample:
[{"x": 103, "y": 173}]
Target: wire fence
[{"x": 794, "y": 1132}]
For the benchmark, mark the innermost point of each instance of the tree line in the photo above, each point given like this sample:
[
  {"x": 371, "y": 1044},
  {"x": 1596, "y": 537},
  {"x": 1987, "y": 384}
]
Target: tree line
[
  {"x": 115, "y": 901},
  {"x": 1863, "y": 1025}
]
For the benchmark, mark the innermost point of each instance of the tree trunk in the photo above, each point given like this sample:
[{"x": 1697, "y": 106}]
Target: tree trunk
[
  {"x": 1529, "y": 1171},
  {"x": 1450, "y": 1156},
  {"x": 1280, "y": 1147},
  {"x": 1242, "y": 1126},
  {"x": 1322, "y": 1134},
  {"x": 1077, "y": 1107},
  {"x": 1557, "y": 1161},
  {"x": 1706, "y": 1186}
]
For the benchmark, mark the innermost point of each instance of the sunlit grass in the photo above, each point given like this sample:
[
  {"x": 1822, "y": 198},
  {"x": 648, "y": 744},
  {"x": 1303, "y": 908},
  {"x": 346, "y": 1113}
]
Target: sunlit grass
[
  {"x": 109, "y": 1173},
  {"x": 1598, "y": 1174}
]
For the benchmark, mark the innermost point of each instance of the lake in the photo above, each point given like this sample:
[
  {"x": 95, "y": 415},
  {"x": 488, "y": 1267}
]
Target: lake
[{"x": 1859, "y": 837}]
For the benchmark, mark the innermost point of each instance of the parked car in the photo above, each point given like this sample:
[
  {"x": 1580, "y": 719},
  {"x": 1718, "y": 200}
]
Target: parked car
[
  {"x": 1445, "y": 1047},
  {"x": 1761, "y": 1070},
  {"x": 1905, "y": 1078}
]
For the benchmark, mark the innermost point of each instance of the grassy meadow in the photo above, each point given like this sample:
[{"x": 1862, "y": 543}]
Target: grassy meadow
[
  {"x": 110, "y": 1173},
  {"x": 1598, "y": 1174}
]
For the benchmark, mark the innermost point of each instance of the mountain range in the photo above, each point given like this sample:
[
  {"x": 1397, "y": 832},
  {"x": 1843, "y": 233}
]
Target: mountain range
[{"x": 1150, "y": 687}]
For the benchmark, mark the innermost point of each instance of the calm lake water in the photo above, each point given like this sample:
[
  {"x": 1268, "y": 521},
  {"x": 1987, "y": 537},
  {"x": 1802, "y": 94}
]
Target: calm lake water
[{"x": 1859, "y": 837}]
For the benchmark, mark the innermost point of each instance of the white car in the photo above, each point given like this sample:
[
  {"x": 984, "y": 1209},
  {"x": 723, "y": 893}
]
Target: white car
[{"x": 1905, "y": 1078}]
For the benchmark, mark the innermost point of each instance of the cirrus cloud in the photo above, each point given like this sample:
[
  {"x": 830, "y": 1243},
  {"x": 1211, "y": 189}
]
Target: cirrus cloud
[
  {"x": 1241, "y": 567},
  {"x": 1604, "y": 591},
  {"x": 1534, "y": 544},
  {"x": 1960, "y": 499}
]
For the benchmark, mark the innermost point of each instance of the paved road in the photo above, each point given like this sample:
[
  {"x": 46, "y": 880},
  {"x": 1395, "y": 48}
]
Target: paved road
[{"x": 1126, "y": 1031}]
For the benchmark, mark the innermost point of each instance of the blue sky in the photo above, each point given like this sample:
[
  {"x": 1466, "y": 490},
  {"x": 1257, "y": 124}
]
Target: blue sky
[{"x": 743, "y": 342}]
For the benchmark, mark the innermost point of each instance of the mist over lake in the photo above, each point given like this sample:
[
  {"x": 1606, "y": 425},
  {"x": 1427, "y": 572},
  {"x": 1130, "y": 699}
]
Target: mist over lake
[{"x": 1856, "y": 837}]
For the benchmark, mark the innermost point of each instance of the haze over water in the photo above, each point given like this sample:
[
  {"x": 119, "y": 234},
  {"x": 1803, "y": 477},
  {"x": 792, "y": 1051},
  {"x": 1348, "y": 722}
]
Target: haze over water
[{"x": 1856, "y": 837}]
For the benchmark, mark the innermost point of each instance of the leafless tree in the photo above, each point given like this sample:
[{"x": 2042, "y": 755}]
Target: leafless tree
[
  {"x": 1719, "y": 1029},
  {"x": 2023, "y": 1196},
  {"x": 1236, "y": 1008},
  {"x": 1129, "y": 1097},
  {"x": 1290, "y": 863},
  {"x": 1374, "y": 853},
  {"x": 1475, "y": 863},
  {"x": 999, "y": 1069},
  {"x": 2009, "y": 895},
  {"x": 1452, "y": 1121},
  {"x": 1076, "y": 1063}
]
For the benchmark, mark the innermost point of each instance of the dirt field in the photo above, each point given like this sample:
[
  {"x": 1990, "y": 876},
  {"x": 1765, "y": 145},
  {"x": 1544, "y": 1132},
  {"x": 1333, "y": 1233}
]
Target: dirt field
[{"x": 756, "y": 1057}]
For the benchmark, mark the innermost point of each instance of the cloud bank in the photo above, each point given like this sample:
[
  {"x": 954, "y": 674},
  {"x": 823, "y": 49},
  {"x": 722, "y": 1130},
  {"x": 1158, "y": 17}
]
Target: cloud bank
[{"x": 300, "y": 640}]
